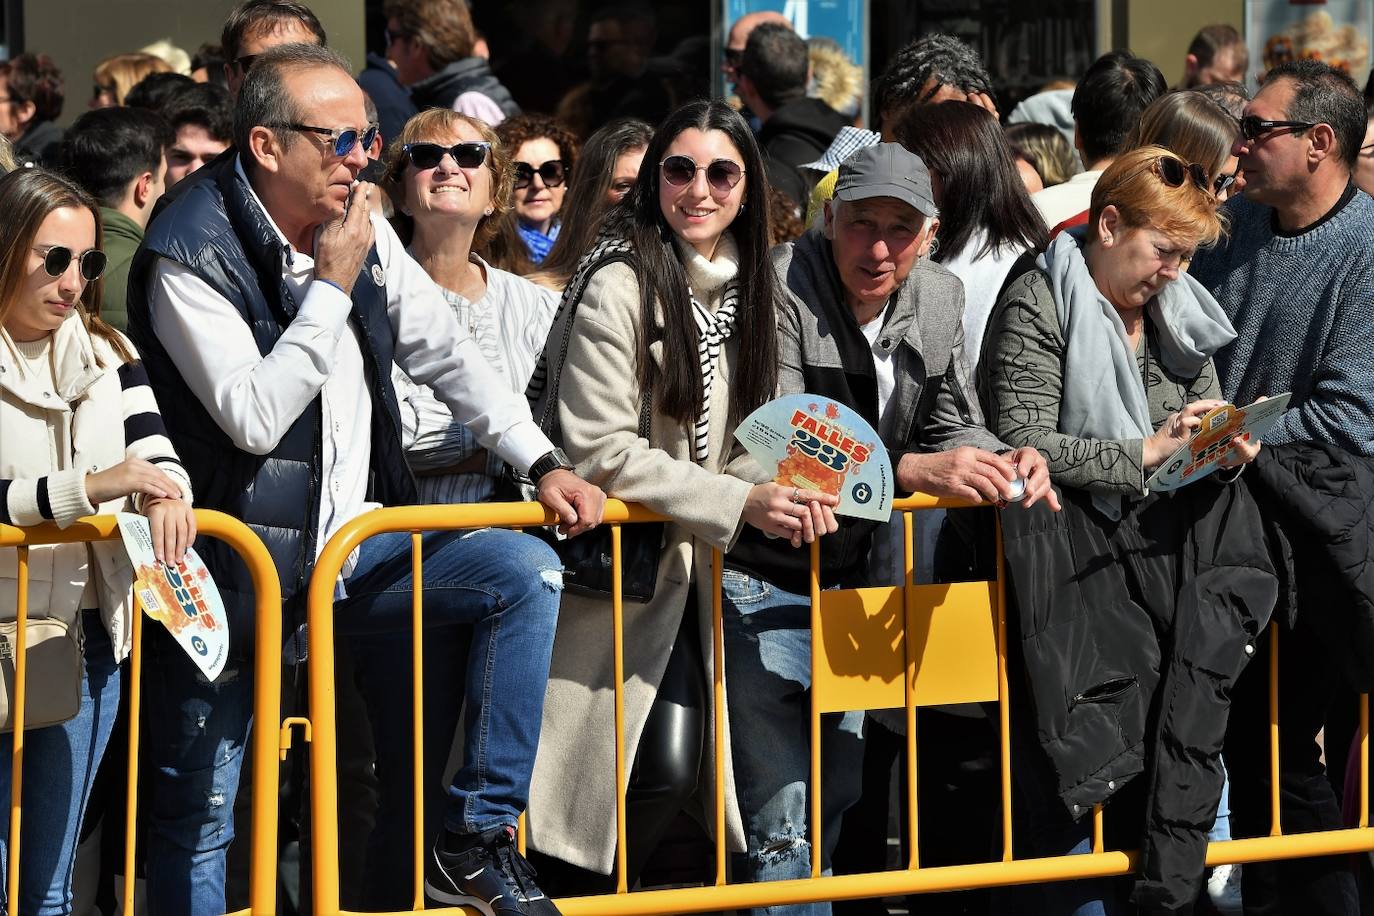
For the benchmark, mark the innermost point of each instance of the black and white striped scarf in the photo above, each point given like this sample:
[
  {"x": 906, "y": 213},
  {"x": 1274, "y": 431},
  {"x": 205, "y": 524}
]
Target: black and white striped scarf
[{"x": 712, "y": 332}]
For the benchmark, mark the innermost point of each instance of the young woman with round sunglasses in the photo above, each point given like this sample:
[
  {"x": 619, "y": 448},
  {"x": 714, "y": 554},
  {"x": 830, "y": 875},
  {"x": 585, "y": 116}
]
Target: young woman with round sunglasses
[
  {"x": 675, "y": 324},
  {"x": 80, "y": 434},
  {"x": 543, "y": 152}
]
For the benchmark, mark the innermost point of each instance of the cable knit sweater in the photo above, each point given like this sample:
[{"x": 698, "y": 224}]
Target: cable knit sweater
[{"x": 1303, "y": 310}]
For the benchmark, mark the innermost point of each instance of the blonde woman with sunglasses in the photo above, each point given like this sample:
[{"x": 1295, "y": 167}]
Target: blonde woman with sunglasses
[{"x": 80, "y": 434}]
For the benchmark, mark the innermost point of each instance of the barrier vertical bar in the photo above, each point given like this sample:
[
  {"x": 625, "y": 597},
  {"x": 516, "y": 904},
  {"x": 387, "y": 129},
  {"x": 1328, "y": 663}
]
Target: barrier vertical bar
[
  {"x": 718, "y": 704},
  {"x": 618, "y": 647},
  {"x": 815, "y": 713},
  {"x": 1003, "y": 692},
  {"x": 909, "y": 673},
  {"x": 21, "y": 666},
  {"x": 1276, "y": 823},
  {"x": 417, "y": 713},
  {"x": 1099, "y": 841},
  {"x": 131, "y": 777},
  {"x": 1364, "y": 760}
]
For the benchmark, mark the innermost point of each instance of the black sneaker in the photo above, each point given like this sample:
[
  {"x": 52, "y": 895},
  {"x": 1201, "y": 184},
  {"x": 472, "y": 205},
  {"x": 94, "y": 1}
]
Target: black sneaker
[{"x": 490, "y": 876}]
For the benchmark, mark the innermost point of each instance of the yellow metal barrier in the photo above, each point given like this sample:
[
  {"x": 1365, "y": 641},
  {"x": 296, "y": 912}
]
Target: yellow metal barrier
[
  {"x": 901, "y": 646},
  {"x": 266, "y": 696}
]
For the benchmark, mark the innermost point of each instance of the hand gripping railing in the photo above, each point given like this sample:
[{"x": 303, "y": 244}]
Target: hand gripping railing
[
  {"x": 266, "y": 695},
  {"x": 953, "y": 649}
]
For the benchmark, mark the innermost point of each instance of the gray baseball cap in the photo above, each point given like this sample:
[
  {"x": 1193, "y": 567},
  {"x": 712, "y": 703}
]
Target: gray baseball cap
[{"x": 886, "y": 170}]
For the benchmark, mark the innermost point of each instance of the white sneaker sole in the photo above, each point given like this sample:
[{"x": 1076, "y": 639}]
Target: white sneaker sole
[{"x": 448, "y": 899}]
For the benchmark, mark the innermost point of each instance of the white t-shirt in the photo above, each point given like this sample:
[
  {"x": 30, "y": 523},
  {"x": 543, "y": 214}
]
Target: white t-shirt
[{"x": 882, "y": 362}]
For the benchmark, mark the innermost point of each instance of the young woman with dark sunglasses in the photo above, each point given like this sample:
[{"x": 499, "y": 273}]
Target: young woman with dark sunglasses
[
  {"x": 80, "y": 434},
  {"x": 543, "y": 152},
  {"x": 670, "y": 317}
]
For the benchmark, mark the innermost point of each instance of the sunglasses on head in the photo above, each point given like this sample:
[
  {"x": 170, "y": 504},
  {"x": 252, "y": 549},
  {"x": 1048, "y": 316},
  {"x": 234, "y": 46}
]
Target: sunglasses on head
[
  {"x": 553, "y": 173},
  {"x": 1174, "y": 172},
  {"x": 342, "y": 140},
  {"x": 467, "y": 155},
  {"x": 58, "y": 258},
  {"x": 721, "y": 174},
  {"x": 1252, "y": 127}
]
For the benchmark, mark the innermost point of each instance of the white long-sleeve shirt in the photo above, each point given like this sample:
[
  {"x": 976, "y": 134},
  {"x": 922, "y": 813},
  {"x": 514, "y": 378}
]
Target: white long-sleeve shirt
[{"x": 255, "y": 399}]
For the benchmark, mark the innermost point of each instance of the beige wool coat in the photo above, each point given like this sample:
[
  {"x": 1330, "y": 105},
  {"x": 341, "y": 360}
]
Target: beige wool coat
[{"x": 572, "y": 798}]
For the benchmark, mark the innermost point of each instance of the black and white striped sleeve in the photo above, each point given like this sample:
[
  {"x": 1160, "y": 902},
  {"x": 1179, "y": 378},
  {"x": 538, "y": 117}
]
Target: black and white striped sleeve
[
  {"x": 144, "y": 434},
  {"x": 59, "y": 497}
]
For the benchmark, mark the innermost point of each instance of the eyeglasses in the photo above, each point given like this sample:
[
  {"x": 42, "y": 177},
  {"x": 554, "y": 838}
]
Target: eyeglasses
[
  {"x": 389, "y": 37},
  {"x": 553, "y": 173},
  {"x": 1174, "y": 172},
  {"x": 344, "y": 139},
  {"x": 721, "y": 174},
  {"x": 1252, "y": 127},
  {"x": 58, "y": 258},
  {"x": 246, "y": 61},
  {"x": 467, "y": 155},
  {"x": 98, "y": 90}
]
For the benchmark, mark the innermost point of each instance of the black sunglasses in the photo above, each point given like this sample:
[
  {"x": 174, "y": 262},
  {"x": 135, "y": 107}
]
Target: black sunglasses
[
  {"x": 721, "y": 174},
  {"x": 58, "y": 258},
  {"x": 1174, "y": 172},
  {"x": 553, "y": 173},
  {"x": 1223, "y": 182},
  {"x": 467, "y": 155},
  {"x": 1252, "y": 127},
  {"x": 343, "y": 139}
]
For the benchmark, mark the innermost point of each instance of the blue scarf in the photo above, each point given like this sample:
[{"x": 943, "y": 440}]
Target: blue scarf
[{"x": 537, "y": 242}]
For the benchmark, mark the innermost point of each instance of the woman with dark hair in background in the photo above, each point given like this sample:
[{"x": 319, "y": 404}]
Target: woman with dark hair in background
[
  {"x": 606, "y": 170},
  {"x": 544, "y": 153},
  {"x": 657, "y": 323},
  {"x": 987, "y": 220},
  {"x": 31, "y": 86}
]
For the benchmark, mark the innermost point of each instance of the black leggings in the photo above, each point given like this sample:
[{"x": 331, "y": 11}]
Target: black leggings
[{"x": 664, "y": 774}]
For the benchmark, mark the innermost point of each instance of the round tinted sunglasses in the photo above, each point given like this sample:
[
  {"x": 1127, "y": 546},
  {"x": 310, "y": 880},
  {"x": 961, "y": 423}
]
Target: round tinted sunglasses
[
  {"x": 1174, "y": 172},
  {"x": 342, "y": 139},
  {"x": 468, "y": 155},
  {"x": 58, "y": 258},
  {"x": 553, "y": 173},
  {"x": 721, "y": 174}
]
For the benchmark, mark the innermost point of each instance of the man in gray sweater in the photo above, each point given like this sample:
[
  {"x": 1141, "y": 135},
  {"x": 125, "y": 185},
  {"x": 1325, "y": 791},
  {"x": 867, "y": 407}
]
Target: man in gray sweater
[{"x": 1296, "y": 278}]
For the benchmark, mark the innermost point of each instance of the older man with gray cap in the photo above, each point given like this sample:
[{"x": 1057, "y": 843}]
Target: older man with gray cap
[{"x": 868, "y": 321}]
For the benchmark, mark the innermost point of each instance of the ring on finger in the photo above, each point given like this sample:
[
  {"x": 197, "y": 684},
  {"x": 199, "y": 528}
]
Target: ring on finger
[{"x": 796, "y": 494}]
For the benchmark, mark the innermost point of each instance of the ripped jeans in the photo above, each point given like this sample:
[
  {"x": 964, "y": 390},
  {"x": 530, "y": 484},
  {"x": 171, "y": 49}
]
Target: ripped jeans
[
  {"x": 505, "y": 584},
  {"x": 768, "y": 676}
]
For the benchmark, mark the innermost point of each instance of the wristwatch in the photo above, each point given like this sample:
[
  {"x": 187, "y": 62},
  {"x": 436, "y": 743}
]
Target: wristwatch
[{"x": 552, "y": 461}]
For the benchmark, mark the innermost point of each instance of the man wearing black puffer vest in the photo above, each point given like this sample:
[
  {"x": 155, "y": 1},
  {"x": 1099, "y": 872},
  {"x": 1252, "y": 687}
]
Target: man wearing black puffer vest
[{"x": 272, "y": 294}]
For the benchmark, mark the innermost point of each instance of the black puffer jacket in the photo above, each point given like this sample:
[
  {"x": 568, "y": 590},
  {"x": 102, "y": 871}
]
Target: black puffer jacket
[
  {"x": 1131, "y": 634},
  {"x": 471, "y": 74},
  {"x": 1319, "y": 499}
]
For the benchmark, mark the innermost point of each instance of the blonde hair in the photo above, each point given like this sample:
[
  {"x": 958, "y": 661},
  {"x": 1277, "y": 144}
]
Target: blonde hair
[
  {"x": 123, "y": 72},
  {"x": 176, "y": 58},
  {"x": 1190, "y": 125},
  {"x": 835, "y": 79},
  {"x": 425, "y": 127},
  {"x": 7, "y": 162},
  {"x": 1134, "y": 186}
]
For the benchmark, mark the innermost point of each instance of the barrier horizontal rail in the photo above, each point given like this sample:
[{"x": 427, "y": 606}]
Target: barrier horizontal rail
[
  {"x": 266, "y": 696},
  {"x": 721, "y": 895}
]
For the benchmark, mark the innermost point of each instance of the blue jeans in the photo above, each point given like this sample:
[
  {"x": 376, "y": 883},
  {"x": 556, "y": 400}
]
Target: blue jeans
[
  {"x": 768, "y": 680},
  {"x": 505, "y": 584},
  {"x": 60, "y": 762}
]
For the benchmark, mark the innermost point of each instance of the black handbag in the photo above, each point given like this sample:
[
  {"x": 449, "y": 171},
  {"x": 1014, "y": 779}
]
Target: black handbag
[{"x": 587, "y": 557}]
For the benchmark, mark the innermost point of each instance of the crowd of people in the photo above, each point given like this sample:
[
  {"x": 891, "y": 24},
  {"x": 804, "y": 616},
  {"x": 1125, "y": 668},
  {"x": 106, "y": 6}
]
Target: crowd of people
[{"x": 299, "y": 293}]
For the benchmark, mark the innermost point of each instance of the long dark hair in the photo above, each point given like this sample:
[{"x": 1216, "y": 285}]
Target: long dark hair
[
  {"x": 677, "y": 387},
  {"x": 980, "y": 187},
  {"x": 584, "y": 208},
  {"x": 27, "y": 196}
]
